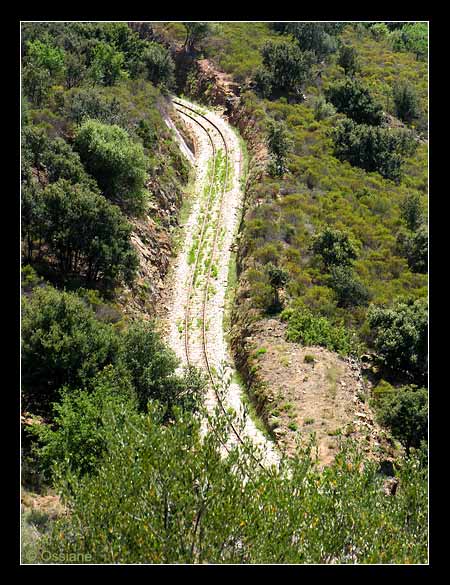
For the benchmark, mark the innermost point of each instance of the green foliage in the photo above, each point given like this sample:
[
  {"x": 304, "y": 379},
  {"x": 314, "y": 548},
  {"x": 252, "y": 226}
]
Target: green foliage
[
  {"x": 160, "y": 67},
  {"x": 348, "y": 59},
  {"x": 62, "y": 344},
  {"x": 88, "y": 235},
  {"x": 405, "y": 412},
  {"x": 151, "y": 367},
  {"x": 279, "y": 146},
  {"x": 401, "y": 336},
  {"x": 162, "y": 495},
  {"x": 46, "y": 57},
  {"x": 414, "y": 247},
  {"x": 55, "y": 159},
  {"x": 373, "y": 148},
  {"x": 118, "y": 164},
  {"x": 379, "y": 30},
  {"x": 334, "y": 247},
  {"x": 76, "y": 440},
  {"x": 107, "y": 66},
  {"x": 351, "y": 97},
  {"x": 316, "y": 37},
  {"x": 411, "y": 37},
  {"x": 306, "y": 328},
  {"x": 195, "y": 33},
  {"x": 412, "y": 211},
  {"x": 406, "y": 102},
  {"x": 36, "y": 83},
  {"x": 287, "y": 68},
  {"x": 86, "y": 103},
  {"x": 323, "y": 109},
  {"x": 350, "y": 291}
]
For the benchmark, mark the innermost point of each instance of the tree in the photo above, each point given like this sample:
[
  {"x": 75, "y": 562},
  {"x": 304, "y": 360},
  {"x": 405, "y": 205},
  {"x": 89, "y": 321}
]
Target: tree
[
  {"x": 62, "y": 345},
  {"x": 406, "y": 102},
  {"x": 372, "y": 148},
  {"x": 411, "y": 211},
  {"x": 279, "y": 145},
  {"x": 352, "y": 98},
  {"x": 414, "y": 246},
  {"x": 278, "y": 277},
  {"x": 88, "y": 236},
  {"x": 36, "y": 83},
  {"x": 53, "y": 158},
  {"x": 118, "y": 164},
  {"x": 76, "y": 440},
  {"x": 334, "y": 247},
  {"x": 405, "y": 412},
  {"x": 348, "y": 59},
  {"x": 44, "y": 56},
  {"x": 152, "y": 365},
  {"x": 107, "y": 65},
  {"x": 315, "y": 37},
  {"x": 195, "y": 33},
  {"x": 88, "y": 103},
  {"x": 350, "y": 291},
  {"x": 159, "y": 65},
  {"x": 411, "y": 37},
  {"x": 400, "y": 336},
  {"x": 287, "y": 66},
  {"x": 163, "y": 494}
]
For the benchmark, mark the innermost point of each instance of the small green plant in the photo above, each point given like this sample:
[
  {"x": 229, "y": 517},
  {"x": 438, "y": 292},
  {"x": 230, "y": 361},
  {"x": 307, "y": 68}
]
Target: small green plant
[
  {"x": 308, "y": 421},
  {"x": 309, "y": 359},
  {"x": 293, "y": 426}
]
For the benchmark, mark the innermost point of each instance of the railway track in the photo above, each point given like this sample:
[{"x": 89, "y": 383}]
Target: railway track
[{"x": 204, "y": 302}]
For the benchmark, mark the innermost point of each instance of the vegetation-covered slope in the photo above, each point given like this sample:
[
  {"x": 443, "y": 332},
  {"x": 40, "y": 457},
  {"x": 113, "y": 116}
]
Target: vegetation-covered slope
[{"x": 333, "y": 242}]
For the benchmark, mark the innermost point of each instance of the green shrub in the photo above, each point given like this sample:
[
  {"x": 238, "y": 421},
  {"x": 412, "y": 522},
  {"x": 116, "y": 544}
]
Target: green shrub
[
  {"x": 405, "y": 412},
  {"x": 118, "y": 163},
  {"x": 157, "y": 478},
  {"x": 352, "y": 98},
  {"x": 62, "y": 345},
  {"x": 307, "y": 329},
  {"x": 401, "y": 336}
]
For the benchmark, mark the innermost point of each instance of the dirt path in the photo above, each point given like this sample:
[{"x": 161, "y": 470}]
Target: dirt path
[{"x": 224, "y": 217}]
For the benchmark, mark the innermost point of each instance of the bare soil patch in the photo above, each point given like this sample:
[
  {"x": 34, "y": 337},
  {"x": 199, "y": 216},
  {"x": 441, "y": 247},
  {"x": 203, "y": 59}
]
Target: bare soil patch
[{"x": 313, "y": 390}]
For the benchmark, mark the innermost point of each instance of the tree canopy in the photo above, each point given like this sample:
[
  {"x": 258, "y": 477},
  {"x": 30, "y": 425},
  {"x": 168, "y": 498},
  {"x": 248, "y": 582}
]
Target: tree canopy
[{"x": 118, "y": 164}]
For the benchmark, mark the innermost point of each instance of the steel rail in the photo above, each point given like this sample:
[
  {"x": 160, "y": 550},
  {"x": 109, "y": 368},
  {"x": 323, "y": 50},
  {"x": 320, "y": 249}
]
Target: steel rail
[{"x": 211, "y": 260}]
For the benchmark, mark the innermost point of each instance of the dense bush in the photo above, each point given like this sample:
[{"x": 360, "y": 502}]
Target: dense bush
[
  {"x": 412, "y": 211},
  {"x": 405, "y": 412},
  {"x": 152, "y": 370},
  {"x": 334, "y": 247},
  {"x": 62, "y": 344},
  {"x": 348, "y": 59},
  {"x": 81, "y": 232},
  {"x": 401, "y": 333},
  {"x": 351, "y": 97},
  {"x": 76, "y": 440},
  {"x": 160, "y": 67},
  {"x": 108, "y": 64},
  {"x": 306, "y": 328},
  {"x": 118, "y": 164},
  {"x": 411, "y": 37},
  {"x": 373, "y": 148},
  {"x": 406, "y": 102},
  {"x": 414, "y": 247},
  {"x": 350, "y": 291},
  {"x": 162, "y": 495},
  {"x": 279, "y": 145},
  {"x": 53, "y": 159},
  {"x": 285, "y": 68},
  {"x": 315, "y": 37}
]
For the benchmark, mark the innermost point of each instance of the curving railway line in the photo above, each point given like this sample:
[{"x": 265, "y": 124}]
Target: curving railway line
[{"x": 193, "y": 115}]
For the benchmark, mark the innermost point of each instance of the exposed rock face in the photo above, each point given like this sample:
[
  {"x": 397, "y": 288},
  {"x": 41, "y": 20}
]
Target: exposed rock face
[{"x": 152, "y": 238}]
